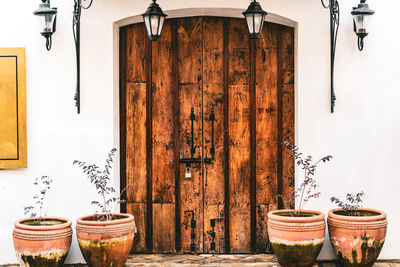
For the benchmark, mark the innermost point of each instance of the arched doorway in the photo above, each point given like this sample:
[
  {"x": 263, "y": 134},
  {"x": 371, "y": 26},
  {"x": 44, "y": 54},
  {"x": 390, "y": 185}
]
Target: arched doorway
[{"x": 203, "y": 113}]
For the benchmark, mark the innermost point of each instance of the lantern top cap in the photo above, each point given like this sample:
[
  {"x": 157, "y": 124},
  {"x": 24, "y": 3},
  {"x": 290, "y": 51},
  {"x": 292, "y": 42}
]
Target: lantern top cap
[
  {"x": 254, "y": 7},
  {"x": 44, "y": 9},
  {"x": 154, "y": 9},
  {"x": 362, "y": 9}
]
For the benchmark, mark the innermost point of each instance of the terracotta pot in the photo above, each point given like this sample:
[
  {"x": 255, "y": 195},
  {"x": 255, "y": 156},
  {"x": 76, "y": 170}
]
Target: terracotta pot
[
  {"x": 106, "y": 243},
  {"x": 42, "y": 245},
  {"x": 296, "y": 241},
  {"x": 357, "y": 240}
]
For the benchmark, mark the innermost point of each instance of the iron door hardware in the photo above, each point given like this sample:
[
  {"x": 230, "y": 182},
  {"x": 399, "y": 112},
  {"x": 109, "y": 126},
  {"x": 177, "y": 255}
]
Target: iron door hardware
[
  {"x": 192, "y": 233},
  {"x": 212, "y": 232},
  {"x": 192, "y": 159},
  {"x": 212, "y": 149}
]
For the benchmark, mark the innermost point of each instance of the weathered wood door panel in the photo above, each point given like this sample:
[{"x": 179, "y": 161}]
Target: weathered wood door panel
[
  {"x": 213, "y": 100},
  {"x": 266, "y": 136},
  {"x": 163, "y": 145},
  {"x": 189, "y": 49},
  {"x": 239, "y": 137},
  {"x": 241, "y": 94},
  {"x": 133, "y": 128}
]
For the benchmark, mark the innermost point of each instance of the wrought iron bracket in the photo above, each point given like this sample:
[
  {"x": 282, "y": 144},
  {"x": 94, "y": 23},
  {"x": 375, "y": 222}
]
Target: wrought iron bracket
[
  {"x": 76, "y": 29},
  {"x": 334, "y": 29}
]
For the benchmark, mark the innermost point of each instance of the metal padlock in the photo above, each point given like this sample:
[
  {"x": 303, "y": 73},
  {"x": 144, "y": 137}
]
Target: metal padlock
[{"x": 188, "y": 173}]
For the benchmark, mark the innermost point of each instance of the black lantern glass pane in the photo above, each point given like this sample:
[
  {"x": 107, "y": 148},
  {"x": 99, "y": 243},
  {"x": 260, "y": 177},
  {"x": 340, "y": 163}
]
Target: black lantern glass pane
[
  {"x": 147, "y": 23},
  {"x": 46, "y": 22},
  {"x": 362, "y": 22},
  {"x": 154, "y": 21},
  {"x": 161, "y": 25},
  {"x": 249, "y": 20},
  {"x": 258, "y": 22},
  {"x": 48, "y": 26}
]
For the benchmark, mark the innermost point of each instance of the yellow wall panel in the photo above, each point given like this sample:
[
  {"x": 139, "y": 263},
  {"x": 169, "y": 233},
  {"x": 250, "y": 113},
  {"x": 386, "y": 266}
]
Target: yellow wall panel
[
  {"x": 8, "y": 108},
  {"x": 13, "y": 152}
]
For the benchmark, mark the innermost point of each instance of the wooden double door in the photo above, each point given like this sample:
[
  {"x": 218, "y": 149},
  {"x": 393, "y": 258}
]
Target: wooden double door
[{"x": 203, "y": 113}]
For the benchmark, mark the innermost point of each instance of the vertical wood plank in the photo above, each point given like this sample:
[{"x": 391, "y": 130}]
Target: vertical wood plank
[
  {"x": 288, "y": 111},
  {"x": 190, "y": 67},
  {"x": 136, "y": 115},
  {"x": 213, "y": 93},
  {"x": 226, "y": 133},
  {"x": 262, "y": 228},
  {"x": 136, "y": 61},
  {"x": 136, "y": 142},
  {"x": 267, "y": 129},
  {"x": 239, "y": 135},
  {"x": 253, "y": 152},
  {"x": 263, "y": 245},
  {"x": 122, "y": 115},
  {"x": 281, "y": 197},
  {"x": 135, "y": 81},
  {"x": 140, "y": 212},
  {"x": 149, "y": 144},
  {"x": 164, "y": 227},
  {"x": 176, "y": 107},
  {"x": 163, "y": 146}
]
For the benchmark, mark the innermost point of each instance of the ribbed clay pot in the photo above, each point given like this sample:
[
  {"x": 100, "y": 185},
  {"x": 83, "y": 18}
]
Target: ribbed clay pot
[
  {"x": 296, "y": 240},
  {"x": 357, "y": 240},
  {"x": 45, "y": 245},
  {"x": 106, "y": 243}
]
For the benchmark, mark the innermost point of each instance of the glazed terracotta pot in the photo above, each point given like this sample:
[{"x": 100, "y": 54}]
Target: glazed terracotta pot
[
  {"x": 46, "y": 244},
  {"x": 296, "y": 240},
  {"x": 106, "y": 243},
  {"x": 357, "y": 240}
]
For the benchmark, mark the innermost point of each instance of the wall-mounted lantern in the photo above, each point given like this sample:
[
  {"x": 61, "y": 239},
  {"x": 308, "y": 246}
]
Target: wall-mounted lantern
[
  {"x": 48, "y": 17},
  {"x": 154, "y": 19},
  {"x": 361, "y": 16},
  {"x": 255, "y": 17}
]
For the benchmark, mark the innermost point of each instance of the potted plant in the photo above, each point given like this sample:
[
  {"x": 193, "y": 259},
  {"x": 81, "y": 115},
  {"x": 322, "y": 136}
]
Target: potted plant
[
  {"x": 297, "y": 235},
  {"x": 40, "y": 240},
  {"x": 105, "y": 238},
  {"x": 357, "y": 234}
]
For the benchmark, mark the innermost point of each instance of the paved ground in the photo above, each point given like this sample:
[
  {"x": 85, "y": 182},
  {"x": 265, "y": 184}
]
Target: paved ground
[
  {"x": 173, "y": 260},
  {"x": 206, "y": 260}
]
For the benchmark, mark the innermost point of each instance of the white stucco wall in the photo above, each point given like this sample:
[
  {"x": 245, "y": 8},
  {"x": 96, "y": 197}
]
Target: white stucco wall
[{"x": 362, "y": 135}]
